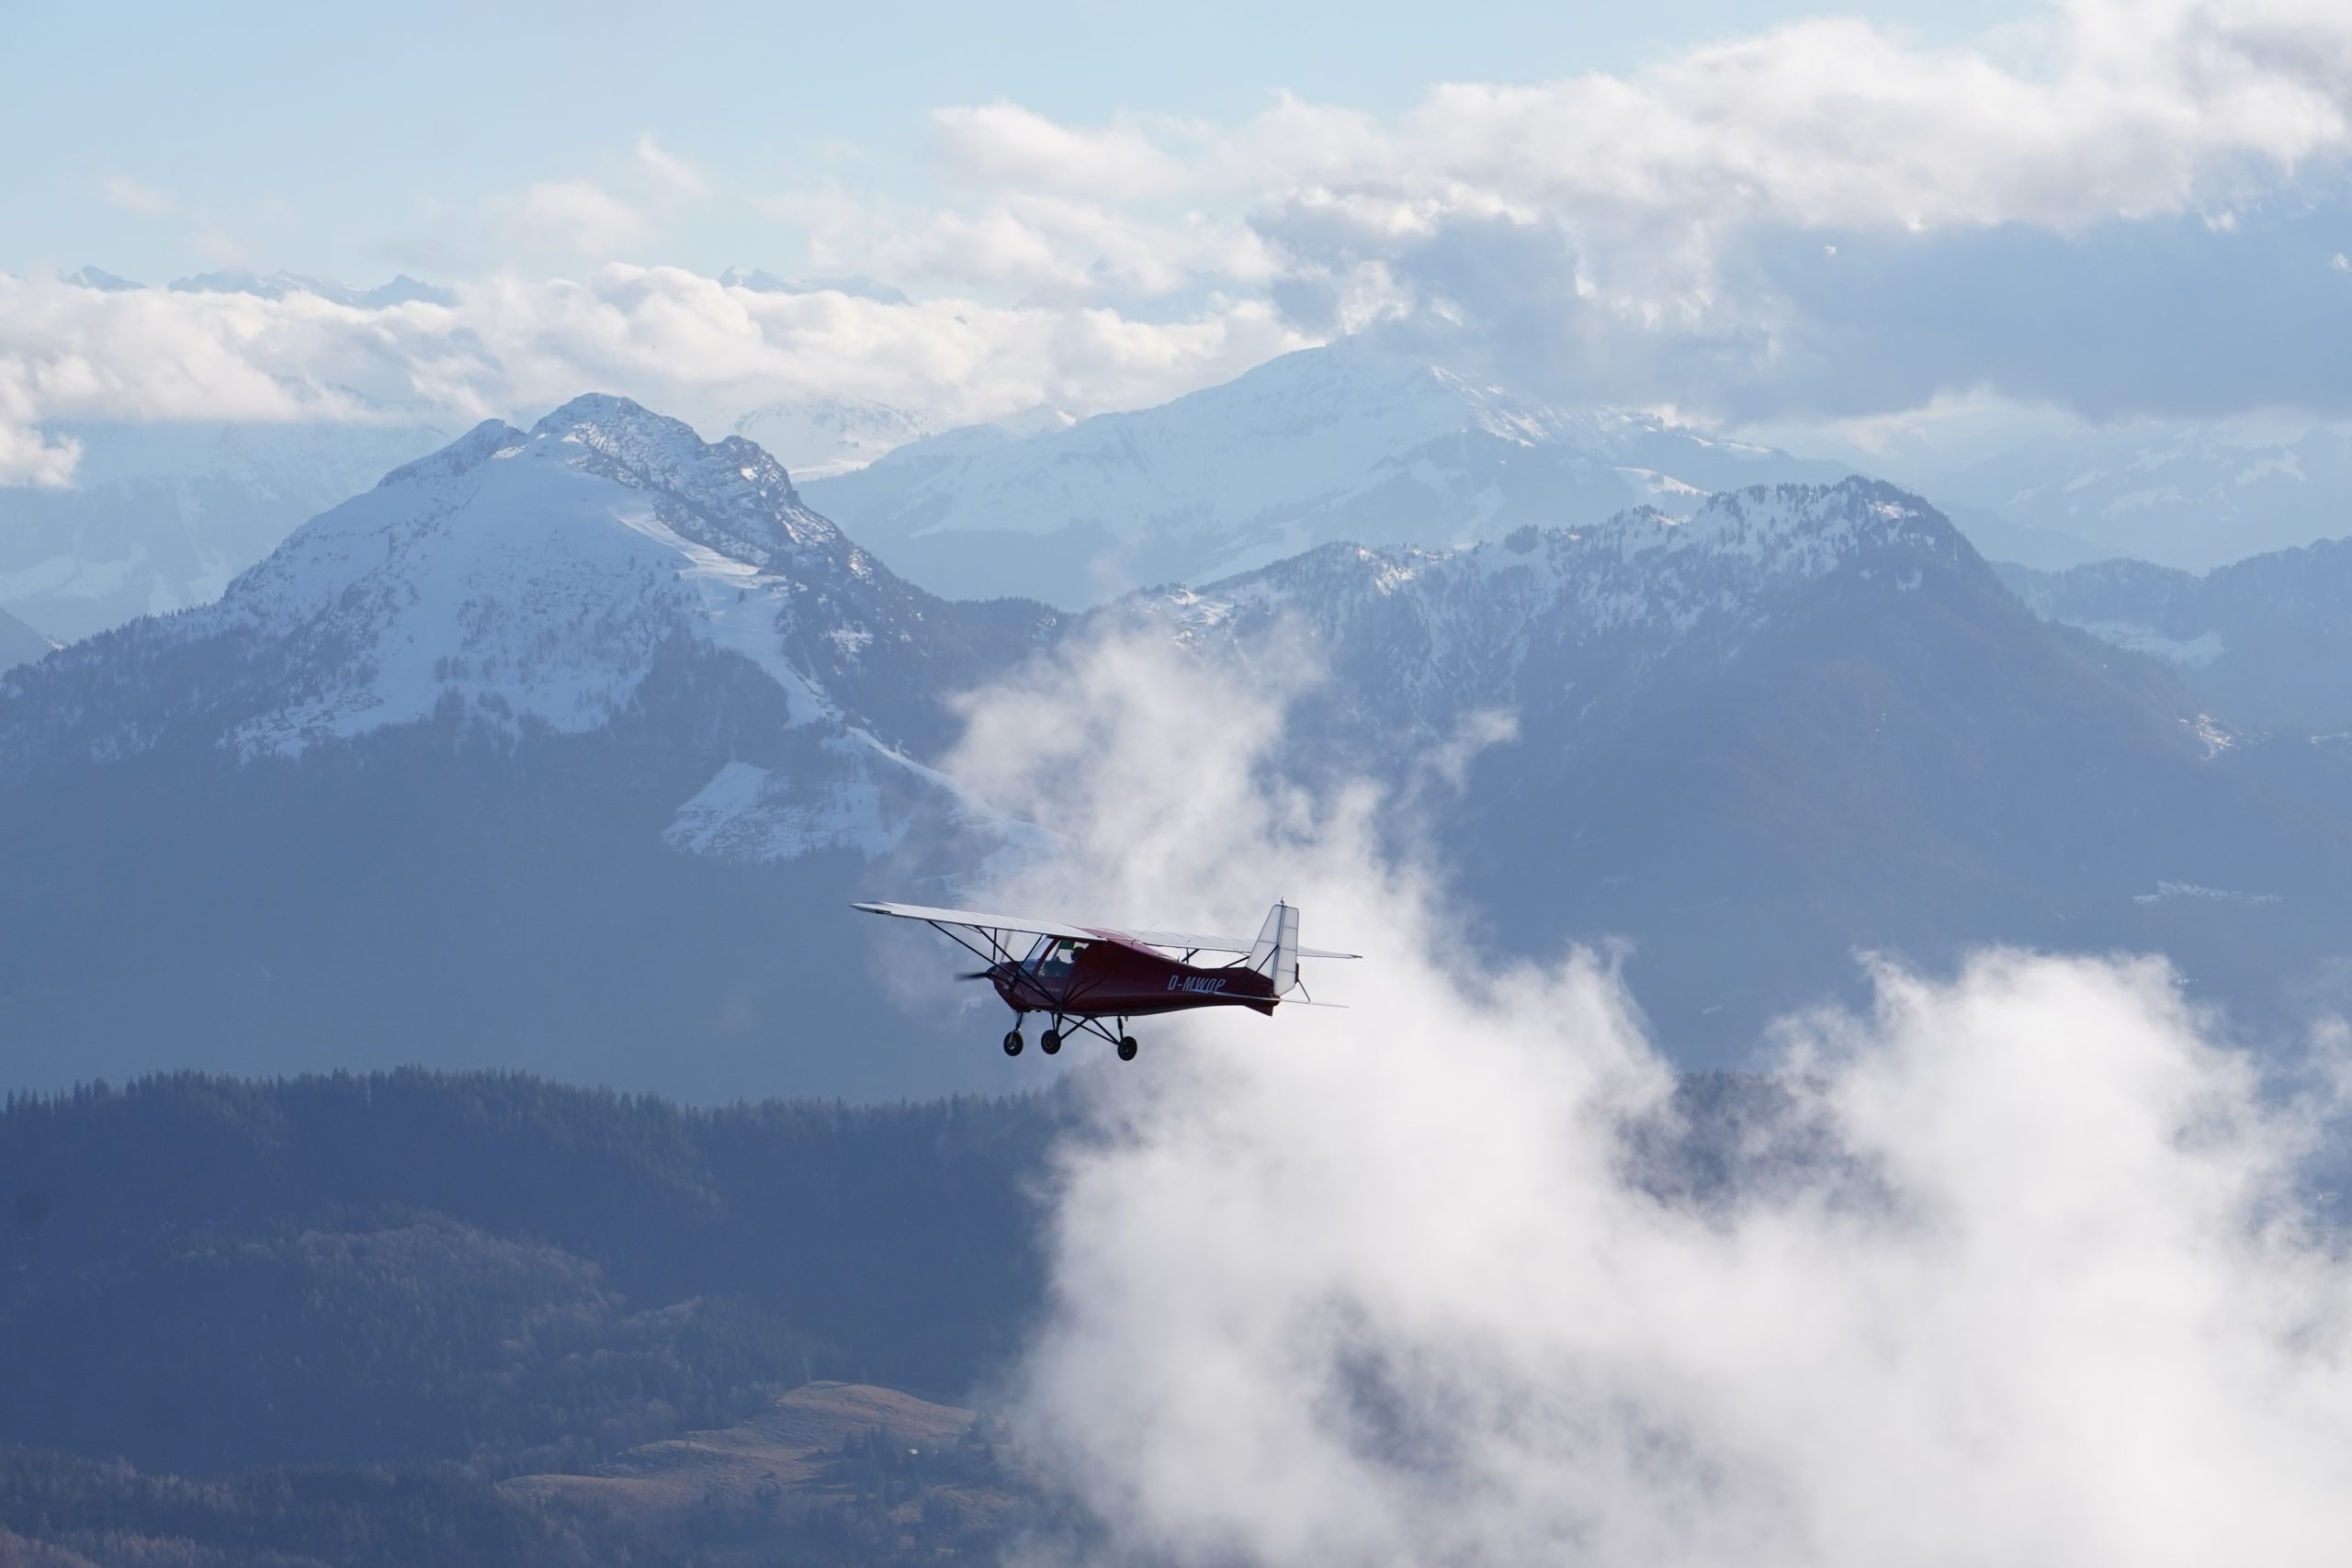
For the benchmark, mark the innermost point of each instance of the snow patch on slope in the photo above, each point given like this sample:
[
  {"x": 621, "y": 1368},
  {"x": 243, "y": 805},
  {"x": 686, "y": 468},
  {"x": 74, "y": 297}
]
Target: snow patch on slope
[
  {"x": 1630, "y": 589},
  {"x": 862, "y": 797},
  {"x": 2189, "y": 653},
  {"x": 533, "y": 577},
  {"x": 749, "y": 814}
]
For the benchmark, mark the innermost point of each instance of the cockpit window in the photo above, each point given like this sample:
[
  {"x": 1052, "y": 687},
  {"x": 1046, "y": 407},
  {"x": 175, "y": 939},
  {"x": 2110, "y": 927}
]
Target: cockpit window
[{"x": 1053, "y": 957}]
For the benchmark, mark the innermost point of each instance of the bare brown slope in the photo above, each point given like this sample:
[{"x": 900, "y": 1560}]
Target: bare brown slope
[{"x": 810, "y": 1452}]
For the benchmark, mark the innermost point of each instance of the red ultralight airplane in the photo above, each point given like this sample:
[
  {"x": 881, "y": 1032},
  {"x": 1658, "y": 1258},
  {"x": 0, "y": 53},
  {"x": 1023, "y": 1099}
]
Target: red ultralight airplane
[{"x": 1082, "y": 975}]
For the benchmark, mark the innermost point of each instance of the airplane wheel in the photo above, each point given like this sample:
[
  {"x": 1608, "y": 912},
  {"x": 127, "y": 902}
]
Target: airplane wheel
[
  {"x": 1126, "y": 1047},
  {"x": 1012, "y": 1043},
  {"x": 1051, "y": 1041}
]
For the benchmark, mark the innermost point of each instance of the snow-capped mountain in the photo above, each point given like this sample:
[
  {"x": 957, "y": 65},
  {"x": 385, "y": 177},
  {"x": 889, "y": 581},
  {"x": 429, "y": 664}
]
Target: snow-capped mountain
[
  {"x": 550, "y": 736},
  {"x": 1457, "y": 628},
  {"x": 160, "y": 516},
  {"x": 19, "y": 644},
  {"x": 1802, "y": 721},
  {"x": 1344, "y": 441},
  {"x": 2267, "y": 641},
  {"x": 100, "y": 278},
  {"x": 818, "y": 437},
  {"x": 2190, "y": 497},
  {"x": 531, "y": 581}
]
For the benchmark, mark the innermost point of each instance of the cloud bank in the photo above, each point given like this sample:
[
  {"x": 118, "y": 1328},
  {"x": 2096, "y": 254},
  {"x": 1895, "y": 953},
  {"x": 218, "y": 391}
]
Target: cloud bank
[
  {"x": 512, "y": 347},
  {"x": 2129, "y": 207},
  {"x": 2037, "y": 1283}
]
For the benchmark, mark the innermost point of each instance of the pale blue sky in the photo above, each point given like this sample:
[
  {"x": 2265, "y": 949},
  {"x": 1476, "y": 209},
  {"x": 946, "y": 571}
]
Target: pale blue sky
[{"x": 354, "y": 143}]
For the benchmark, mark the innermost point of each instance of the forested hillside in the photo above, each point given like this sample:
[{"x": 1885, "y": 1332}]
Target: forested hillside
[{"x": 204, "y": 1274}]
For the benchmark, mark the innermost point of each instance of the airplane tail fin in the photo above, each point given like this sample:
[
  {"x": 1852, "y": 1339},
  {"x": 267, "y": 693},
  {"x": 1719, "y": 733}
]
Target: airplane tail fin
[{"x": 1275, "y": 955}]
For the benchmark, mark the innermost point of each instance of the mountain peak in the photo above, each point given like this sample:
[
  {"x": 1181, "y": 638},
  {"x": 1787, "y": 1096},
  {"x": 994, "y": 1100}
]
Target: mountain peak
[
  {"x": 477, "y": 446},
  {"x": 596, "y": 410},
  {"x": 733, "y": 486},
  {"x": 1856, "y": 514},
  {"x": 533, "y": 575},
  {"x": 98, "y": 277},
  {"x": 1643, "y": 574}
]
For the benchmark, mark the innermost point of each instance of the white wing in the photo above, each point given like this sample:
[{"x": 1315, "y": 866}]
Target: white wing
[
  {"x": 979, "y": 921},
  {"x": 1182, "y": 941}
]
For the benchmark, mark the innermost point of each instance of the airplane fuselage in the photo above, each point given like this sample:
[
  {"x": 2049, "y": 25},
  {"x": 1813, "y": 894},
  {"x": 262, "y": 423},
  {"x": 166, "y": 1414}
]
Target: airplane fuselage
[{"x": 1112, "y": 977}]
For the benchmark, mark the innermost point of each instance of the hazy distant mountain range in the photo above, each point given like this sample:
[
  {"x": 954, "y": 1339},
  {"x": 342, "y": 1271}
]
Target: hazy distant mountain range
[
  {"x": 564, "y": 748},
  {"x": 1340, "y": 443},
  {"x": 2267, "y": 640},
  {"x": 19, "y": 644},
  {"x": 402, "y": 291},
  {"x": 161, "y": 516},
  {"x": 1346, "y": 442},
  {"x": 817, "y": 438},
  {"x": 2185, "y": 496}
]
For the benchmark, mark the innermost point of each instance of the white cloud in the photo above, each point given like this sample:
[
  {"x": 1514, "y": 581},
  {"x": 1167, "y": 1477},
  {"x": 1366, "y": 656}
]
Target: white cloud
[
  {"x": 132, "y": 195},
  {"x": 581, "y": 213},
  {"x": 28, "y": 457},
  {"x": 2134, "y": 110},
  {"x": 1011, "y": 145},
  {"x": 512, "y": 347},
  {"x": 1071, "y": 248},
  {"x": 1387, "y": 1286},
  {"x": 670, "y": 170}
]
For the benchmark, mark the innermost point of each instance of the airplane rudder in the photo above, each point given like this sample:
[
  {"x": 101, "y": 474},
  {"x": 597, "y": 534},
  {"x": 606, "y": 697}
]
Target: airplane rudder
[
  {"x": 1263, "y": 952},
  {"x": 1286, "y": 971}
]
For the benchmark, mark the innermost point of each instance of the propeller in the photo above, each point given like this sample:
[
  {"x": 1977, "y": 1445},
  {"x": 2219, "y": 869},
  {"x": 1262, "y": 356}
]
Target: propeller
[{"x": 977, "y": 975}]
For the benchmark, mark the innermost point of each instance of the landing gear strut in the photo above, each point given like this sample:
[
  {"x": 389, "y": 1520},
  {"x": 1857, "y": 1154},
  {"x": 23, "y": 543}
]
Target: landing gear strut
[{"x": 1068, "y": 1027}]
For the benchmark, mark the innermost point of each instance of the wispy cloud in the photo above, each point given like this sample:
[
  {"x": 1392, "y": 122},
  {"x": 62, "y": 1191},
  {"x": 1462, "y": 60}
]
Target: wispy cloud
[
  {"x": 672, "y": 171},
  {"x": 580, "y": 213},
  {"x": 132, "y": 195},
  {"x": 1012, "y": 145}
]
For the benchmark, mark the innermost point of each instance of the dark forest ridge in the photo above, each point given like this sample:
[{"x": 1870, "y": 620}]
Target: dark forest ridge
[{"x": 408, "y": 1266}]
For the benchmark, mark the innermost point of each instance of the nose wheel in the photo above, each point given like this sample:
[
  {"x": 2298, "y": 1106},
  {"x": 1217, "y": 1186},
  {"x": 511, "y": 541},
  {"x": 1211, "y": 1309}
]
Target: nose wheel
[{"x": 1013, "y": 1043}]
